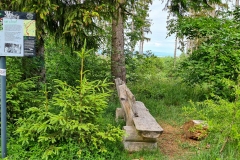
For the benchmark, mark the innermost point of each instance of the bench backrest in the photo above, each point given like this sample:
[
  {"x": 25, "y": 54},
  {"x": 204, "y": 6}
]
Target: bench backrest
[{"x": 136, "y": 114}]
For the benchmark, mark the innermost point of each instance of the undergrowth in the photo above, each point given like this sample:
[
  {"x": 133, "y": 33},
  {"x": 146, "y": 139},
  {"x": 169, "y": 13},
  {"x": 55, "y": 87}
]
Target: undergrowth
[{"x": 78, "y": 121}]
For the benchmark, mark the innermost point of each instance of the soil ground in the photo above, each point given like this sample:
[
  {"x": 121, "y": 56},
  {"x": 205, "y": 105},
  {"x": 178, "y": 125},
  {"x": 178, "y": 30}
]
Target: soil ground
[{"x": 173, "y": 143}]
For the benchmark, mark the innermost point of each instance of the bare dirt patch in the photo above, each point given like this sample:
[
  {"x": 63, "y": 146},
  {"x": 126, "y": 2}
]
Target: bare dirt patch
[{"x": 173, "y": 143}]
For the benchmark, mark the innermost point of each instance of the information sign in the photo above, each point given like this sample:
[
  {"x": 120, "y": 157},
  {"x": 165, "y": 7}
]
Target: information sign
[{"x": 17, "y": 33}]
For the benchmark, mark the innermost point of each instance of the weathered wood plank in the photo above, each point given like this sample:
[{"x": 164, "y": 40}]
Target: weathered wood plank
[
  {"x": 136, "y": 114},
  {"x": 118, "y": 82},
  {"x": 130, "y": 96},
  {"x": 131, "y": 100},
  {"x": 145, "y": 122},
  {"x": 125, "y": 105}
]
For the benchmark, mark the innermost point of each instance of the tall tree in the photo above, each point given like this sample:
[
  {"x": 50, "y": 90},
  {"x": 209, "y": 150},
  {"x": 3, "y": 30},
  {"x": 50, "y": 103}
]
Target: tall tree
[
  {"x": 122, "y": 8},
  {"x": 137, "y": 24},
  {"x": 237, "y": 3},
  {"x": 118, "y": 58},
  {"x": 182, "y": 7},
  {"x": 72, "y": 21},
  {"x": 137, "y": 11},
  {"x": 192, "y": 43},
  {"x": 175, "y": 52}
]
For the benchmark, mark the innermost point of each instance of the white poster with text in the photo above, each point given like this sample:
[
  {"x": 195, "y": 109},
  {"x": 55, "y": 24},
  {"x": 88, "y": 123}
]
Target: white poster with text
[
  {"x": 12, "y": 37},
  {"x": 17, "y": 33}
]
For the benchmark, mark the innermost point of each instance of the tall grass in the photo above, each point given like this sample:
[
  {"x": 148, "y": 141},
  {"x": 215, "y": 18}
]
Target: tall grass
[{"x": 165, "y": 95}]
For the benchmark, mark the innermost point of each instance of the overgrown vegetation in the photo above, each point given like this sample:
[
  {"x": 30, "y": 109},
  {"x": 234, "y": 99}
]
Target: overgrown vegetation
[
  {"x": 76, "y": 121},
  {"x": 68, "y": 111},
  {"x": 215, "y": 55},
  {"x": 67, "y": 123}
]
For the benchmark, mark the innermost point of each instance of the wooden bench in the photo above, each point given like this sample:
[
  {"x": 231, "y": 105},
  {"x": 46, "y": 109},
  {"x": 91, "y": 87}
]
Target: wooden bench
[{"x": 142, "y": 130}]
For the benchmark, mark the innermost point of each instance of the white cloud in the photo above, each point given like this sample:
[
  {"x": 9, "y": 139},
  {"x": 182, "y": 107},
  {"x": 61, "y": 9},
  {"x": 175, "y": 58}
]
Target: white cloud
[{"x": 157, "y": 44}]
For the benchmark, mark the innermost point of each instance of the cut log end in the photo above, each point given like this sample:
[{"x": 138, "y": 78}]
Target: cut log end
[{"x": 195, "y": 129}]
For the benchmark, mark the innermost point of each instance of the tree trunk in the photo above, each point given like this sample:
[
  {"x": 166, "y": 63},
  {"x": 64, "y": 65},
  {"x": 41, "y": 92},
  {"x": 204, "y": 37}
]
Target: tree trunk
[
  {"x": 132, "y": 26},
  {"x": 141, "y": 47},
  {"x": 175, "y": 53},
  {"x": 237, "y": 3},
  {"x": 195, "y": 129},
  {"x": 118, "y": 68},
  {"x": 40, "y": 54}
]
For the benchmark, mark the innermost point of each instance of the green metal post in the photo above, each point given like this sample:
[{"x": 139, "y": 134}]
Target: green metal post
[{"x": 3, "y": 107}]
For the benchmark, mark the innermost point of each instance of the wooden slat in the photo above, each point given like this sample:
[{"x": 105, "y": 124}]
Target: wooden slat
[
  {"x": 130, "y": 96},
  {"x": 145, "y": 122},
  {"x": 125, "y": 105},
  {"x": 119, "y": 114},
  {"x": 136, "y": 113},
  {"x": 133, "y": 135},
  {"x": 118, "y": 82}
]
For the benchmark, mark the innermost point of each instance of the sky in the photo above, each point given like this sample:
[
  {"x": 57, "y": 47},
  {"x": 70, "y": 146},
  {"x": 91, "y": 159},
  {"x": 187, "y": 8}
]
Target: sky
[{"x": 159, "y": 44}]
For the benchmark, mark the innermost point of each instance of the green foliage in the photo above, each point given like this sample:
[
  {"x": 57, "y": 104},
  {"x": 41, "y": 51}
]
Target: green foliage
[
  {"x": 216, "y": 56},
  {"x": 71, "y": 116},
  {"x": 170, "y": 91},
  {"x": 21, "y": 93},
  {"x": 68, "y": 151},
  {"x": 159, "y": 72},
  {"x": 222, "y": 117},
  {"x": 165, "y": 95},
  {"x": 137, "y": 22},
  {"x": 142, "y": 66},
  {"x": 71, "y": 20},
  {"x": 181, "y": 7},
  {"x": 61, "y": 63},
  {"x": 212, "y": 152}
]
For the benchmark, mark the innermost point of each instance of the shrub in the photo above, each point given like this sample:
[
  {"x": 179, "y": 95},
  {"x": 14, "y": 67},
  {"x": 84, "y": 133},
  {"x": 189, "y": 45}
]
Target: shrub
[
  {"x": 72, "y": 116},
  {"x": 222, "y": 116},
  {"x": 140, "y": 66},
  {"x": 22, "y": 92},
  {"x": 63, "y": 64}
]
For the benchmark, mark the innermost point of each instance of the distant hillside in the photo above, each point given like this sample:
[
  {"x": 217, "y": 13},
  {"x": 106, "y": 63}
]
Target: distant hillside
[{"x": 162, "y": 54}]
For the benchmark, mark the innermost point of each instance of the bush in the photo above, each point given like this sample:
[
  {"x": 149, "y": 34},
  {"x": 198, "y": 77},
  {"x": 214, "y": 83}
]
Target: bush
[
  {"x": 63, "y": 64},
  {"x": 70, "y": 117},
  {"x": 222, "y": 116},
  {"x": 140, "y": 66},
  {"x": 22, "y": 92},
  {"x": 216, "y": 51}
]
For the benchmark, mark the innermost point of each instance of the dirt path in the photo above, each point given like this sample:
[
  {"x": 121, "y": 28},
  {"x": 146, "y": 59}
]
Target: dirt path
[{"x": 173, "y": 143}]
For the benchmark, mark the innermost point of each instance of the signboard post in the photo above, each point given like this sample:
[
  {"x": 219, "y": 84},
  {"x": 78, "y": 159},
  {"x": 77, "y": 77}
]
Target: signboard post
[
  {"x": 3, "y": 107},
  {"x": 17, "y": 39}
]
